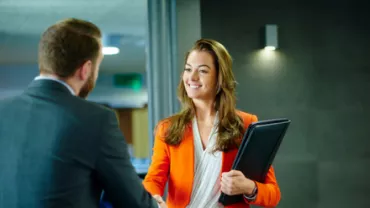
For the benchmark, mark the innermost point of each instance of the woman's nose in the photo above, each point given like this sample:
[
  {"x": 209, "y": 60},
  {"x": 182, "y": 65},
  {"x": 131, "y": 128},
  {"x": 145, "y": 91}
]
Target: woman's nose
[{"x": 194, "y": 75}]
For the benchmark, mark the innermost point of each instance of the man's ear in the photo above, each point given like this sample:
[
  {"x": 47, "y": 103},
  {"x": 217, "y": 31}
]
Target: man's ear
[{"x": 85, "y": 70}]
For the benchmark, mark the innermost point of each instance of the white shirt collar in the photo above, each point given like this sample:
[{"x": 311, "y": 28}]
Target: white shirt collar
[{"x": 57, "y": 80}]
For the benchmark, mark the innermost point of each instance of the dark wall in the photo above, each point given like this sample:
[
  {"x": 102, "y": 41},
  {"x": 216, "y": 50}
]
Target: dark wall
[{"x": 319, "y": 78}]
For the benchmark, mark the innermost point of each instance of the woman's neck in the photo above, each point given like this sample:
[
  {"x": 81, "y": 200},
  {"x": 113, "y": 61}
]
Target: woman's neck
[{"x": 205, "y": 111}]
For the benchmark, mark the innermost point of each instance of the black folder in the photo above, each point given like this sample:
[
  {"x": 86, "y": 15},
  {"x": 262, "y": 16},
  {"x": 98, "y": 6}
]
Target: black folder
[{"x": 257, "y": 151}]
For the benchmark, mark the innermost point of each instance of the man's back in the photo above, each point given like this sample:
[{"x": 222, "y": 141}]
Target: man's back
[{"x": 57, "y": 150}]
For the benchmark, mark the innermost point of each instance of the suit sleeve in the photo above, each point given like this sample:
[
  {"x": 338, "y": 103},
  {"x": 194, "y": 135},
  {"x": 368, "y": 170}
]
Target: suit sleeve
[
  {"x": 115, "y": 170},
  {"x": 157, "y": 175},
  {"x": 268, "y": 194}
]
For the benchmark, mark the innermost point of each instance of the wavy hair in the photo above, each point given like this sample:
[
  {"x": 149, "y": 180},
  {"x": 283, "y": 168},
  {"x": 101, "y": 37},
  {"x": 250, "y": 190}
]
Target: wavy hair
[{"x": 230, "y": 126}]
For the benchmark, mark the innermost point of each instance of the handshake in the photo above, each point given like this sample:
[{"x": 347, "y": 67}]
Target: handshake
[{"x": 160, "y": 201}]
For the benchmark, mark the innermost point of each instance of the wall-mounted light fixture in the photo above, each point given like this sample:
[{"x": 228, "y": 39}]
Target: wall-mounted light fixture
[
  {"x": 111, "y": 44},
  {"x": 270, "y": 37}
]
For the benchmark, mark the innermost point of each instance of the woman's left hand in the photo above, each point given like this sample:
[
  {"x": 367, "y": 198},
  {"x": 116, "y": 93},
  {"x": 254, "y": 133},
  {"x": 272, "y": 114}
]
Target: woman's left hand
[{"x": 234, "y": 183}]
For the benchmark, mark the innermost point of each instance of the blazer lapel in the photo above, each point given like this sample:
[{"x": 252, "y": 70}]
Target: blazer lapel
[
  {"x": 228, "y": 159},
  {"x": 188, "y": 145}
]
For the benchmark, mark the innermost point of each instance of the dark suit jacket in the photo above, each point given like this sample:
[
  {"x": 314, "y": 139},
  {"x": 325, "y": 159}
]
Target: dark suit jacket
[{"x": 57, "y": 150}]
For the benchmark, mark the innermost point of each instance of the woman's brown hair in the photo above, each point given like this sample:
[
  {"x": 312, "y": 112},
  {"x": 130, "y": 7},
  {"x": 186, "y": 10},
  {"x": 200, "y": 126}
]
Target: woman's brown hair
[{"x": 230, "y": 126}]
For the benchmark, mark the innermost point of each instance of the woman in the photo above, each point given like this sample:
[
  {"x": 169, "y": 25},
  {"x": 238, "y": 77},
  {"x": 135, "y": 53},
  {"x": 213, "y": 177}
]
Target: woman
[{"x": 194, "y": 149}]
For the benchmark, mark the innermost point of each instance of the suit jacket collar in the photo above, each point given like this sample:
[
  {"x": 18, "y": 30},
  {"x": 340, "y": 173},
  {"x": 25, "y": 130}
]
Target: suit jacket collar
[
  {"x": 43, "y": 77},
  {"x": 47, "y": 85}
]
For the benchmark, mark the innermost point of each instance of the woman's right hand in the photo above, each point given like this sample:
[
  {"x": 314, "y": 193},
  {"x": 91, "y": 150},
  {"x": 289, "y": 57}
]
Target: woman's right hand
[{"x": 160, "y": 201}]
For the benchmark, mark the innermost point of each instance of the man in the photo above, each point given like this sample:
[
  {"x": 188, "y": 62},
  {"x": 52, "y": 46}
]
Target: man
[{"x": 57, "y": 149}]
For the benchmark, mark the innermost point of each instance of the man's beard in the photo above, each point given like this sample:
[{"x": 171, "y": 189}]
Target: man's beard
[{"x": 88, "y": 86}]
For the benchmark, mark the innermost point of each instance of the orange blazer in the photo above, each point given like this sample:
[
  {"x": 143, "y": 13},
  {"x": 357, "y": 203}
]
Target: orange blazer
[{"x": 175, "y": 165}]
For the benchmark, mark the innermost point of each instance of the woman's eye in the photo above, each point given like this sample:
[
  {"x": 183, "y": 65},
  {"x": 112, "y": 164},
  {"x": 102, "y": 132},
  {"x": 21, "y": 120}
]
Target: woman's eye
[{"x": 187, "y": 69}]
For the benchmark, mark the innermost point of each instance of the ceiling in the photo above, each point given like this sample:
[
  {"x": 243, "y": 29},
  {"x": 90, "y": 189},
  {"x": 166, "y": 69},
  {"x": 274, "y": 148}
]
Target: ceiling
[{"x": 23, "y": 21}]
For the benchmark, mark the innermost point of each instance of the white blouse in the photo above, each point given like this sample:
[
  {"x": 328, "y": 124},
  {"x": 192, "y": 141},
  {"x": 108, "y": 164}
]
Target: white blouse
[{"x": 207, "y": 181}]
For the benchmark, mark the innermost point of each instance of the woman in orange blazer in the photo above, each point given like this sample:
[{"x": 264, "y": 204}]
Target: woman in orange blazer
[{"x": 194, "y": 149}]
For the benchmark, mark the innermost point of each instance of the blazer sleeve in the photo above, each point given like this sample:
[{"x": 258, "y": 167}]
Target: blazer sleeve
[
  {"x": 157, "y": 176},
  {"x": 268, "y": 194},
  {"x": 115, "y": 171}
]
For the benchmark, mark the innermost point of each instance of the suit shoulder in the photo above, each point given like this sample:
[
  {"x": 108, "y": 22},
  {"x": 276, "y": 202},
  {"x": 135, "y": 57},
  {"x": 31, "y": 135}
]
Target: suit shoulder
[
  {"x": 8, "y": 101},
  {"x": 95, "y": 106},
  {"x": 162, "y": 126},
  {"x": 164, "y": 123},
  {"x": 248, "y": 118},
  {"x": 245, "y": 115},
  {"x": 89, "y": 110}
]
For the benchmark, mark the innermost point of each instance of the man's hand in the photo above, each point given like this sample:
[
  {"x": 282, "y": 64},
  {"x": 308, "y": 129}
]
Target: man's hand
[
  {"x": 235, "y": 183},
  {"x": 160, "y": 201}
]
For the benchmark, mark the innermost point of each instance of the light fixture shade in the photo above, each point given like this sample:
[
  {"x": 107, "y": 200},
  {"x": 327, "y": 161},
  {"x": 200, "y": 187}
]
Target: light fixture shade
[
  {"x": 111, "y": 44},
  {"x": 109, "y": 50},
  {"x": 271, "y": 37}
]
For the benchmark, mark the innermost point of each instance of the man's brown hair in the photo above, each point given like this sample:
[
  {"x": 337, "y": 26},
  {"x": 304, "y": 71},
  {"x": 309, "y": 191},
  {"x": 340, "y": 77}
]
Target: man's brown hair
[{"x": 67, "y": 45}]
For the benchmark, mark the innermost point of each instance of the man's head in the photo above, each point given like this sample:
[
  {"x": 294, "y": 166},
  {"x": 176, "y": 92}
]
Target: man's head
[{"x": 71, "y": 50}]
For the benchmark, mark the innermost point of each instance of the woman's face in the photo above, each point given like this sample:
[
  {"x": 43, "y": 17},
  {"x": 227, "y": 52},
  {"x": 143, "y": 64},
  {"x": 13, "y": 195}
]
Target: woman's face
[{"x": 200, "y": 76}]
